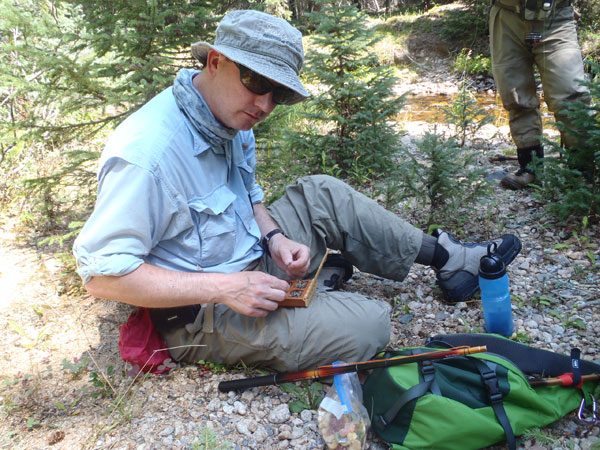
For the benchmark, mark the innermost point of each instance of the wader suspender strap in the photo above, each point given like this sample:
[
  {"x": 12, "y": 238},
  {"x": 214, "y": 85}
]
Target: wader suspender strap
[{"x": 490, "y": 380}]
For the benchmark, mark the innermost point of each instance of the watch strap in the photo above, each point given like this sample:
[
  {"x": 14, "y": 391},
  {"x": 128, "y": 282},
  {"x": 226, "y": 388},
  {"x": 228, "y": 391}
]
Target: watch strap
[{"x": 264, "y": 243}]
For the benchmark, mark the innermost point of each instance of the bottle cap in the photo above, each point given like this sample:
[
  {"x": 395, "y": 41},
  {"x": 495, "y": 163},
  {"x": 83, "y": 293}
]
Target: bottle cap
[{"x": 491, "y": 266}]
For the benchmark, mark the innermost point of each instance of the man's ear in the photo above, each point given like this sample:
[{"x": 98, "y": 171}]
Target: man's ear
[{"x": 213, "y": 59}]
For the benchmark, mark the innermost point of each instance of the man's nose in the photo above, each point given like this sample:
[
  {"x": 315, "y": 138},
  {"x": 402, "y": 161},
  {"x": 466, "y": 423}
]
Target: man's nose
[{"x": 265, "y": 102}]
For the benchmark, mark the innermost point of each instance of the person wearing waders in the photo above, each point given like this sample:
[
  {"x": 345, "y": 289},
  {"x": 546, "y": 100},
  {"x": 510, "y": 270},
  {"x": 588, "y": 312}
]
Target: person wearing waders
[{"x": 524, "y": 34}]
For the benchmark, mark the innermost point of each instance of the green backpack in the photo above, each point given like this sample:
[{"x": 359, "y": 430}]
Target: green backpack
[{"x": 470, "y": 402}]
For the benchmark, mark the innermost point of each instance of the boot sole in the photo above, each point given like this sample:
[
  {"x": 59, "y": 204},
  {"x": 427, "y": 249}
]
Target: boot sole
[{"x": 463, "y": 285}]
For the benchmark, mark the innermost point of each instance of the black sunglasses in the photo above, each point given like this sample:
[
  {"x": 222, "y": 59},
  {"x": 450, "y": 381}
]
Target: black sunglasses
[{"x": 259, "y": 85}]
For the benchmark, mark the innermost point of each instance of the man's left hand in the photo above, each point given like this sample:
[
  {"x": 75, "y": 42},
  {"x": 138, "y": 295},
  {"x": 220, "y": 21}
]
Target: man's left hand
[{"x": 290, "y": 256}]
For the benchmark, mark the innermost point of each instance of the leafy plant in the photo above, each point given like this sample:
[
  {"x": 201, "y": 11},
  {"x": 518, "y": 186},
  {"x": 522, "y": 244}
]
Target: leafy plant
[
  {"x": 522, "y": 337},
  {"x": 542, "y": 300},
  {"x": 208, "y": 440},
  {"x": 467, "y": 25},
  {"x": 277, "y": 163},
  {"x": 70, "y": 408},
  {"x": 102, "y": 383},
  {"x": 76, "y": 367},
  {"x": 308, "y": 395},
  {"x": 469, "y": 63},
  {"x": 571, "y": 320},
  {"x": 32, "y": 422},
  {"x": 211, "y": 367}
]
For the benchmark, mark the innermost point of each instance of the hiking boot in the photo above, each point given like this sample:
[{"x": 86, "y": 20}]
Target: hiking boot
[
  {"x": 459, "y": 276},
  {"x": 518, "y": 180}
]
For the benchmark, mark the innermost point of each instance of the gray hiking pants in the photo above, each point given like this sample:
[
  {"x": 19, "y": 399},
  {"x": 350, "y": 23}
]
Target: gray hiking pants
[
  {"x": 321, "y": 212},
  {"x": 558, "y": 58}
]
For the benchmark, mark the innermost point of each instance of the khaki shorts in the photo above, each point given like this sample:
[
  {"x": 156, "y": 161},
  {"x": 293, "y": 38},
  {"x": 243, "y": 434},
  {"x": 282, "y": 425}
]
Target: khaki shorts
[{"x": 323, "y": 213}]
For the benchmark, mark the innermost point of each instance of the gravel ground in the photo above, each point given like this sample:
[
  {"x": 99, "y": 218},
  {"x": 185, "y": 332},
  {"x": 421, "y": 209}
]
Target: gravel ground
[{"x": 47, "y": 323}]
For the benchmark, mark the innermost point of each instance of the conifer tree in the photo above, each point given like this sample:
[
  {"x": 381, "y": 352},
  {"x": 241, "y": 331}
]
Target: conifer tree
[
  {"x": 350, "y": 116},
  {"x": 69, "y": 68}
]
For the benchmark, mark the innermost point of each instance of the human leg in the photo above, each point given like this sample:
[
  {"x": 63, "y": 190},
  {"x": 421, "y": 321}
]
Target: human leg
[
  {"x": 336, "y": 326},
  {"x": 558, "y": 57},
  {"x": 512, "y": 66},
  {"x": 323, "y": 212}
]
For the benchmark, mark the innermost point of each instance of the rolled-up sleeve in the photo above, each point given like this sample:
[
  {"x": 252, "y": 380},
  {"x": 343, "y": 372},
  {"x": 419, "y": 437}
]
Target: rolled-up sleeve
[{"x": 132, "y": 212}]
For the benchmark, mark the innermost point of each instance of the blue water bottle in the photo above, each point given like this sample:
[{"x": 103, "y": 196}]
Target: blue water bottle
[{"x": 495, "y": 295}]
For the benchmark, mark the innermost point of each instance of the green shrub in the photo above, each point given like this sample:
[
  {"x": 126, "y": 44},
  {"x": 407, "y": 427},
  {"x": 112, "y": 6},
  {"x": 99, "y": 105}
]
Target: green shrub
[
  {"x": 467, "y": 26},
  {"x": 277, "y": 164},
  {"x": 468, "y": 63},
  {"x": 571, "y": 184},
  {"x": 465, "y": 115},
  {"x": 440, "y": 177}
]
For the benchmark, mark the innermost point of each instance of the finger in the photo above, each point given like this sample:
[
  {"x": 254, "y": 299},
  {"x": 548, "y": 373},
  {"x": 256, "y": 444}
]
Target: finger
[
  {"x": 280, "y": 286},
  {"x": 258, "y": 313},
  {"x": 275, "y": 297},
  {"x": 299, "y": 268},
  {"x": 287, "y": 258}
]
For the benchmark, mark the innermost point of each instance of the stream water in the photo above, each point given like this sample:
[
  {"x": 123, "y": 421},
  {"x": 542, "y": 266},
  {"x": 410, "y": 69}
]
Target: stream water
[{"x": 428, "y": 108}]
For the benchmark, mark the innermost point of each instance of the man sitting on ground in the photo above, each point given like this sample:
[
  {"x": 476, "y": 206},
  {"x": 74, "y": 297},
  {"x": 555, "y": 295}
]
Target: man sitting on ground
[{"x": 180, "y": 227}]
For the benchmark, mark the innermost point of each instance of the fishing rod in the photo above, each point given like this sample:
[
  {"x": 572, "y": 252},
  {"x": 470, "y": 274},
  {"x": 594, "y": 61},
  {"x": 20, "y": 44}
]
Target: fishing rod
[
  {"x": 330, "y": 370},
  {"x": 563, "y": 380}
]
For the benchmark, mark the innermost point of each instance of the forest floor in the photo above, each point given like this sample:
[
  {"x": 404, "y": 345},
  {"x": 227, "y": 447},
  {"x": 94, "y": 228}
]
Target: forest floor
[{"x": 65, "y": 386}]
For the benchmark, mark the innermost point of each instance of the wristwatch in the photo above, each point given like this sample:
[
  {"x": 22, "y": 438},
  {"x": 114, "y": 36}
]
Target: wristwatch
[{"x": 264, "y": 243}]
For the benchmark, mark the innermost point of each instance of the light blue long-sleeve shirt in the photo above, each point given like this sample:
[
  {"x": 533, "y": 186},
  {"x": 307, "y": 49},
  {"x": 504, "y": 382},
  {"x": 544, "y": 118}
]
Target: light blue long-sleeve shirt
[{"x": 166, "y": 197}]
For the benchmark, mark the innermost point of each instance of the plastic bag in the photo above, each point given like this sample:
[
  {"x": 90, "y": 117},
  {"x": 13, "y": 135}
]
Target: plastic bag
[{"x": 343, "y": 420}]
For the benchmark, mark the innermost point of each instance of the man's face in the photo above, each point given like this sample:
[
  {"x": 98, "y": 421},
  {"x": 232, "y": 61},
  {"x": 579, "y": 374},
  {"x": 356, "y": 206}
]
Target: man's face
[{"x": 235, "y": 106}]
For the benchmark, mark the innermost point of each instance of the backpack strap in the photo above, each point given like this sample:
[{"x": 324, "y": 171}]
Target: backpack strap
[
  {"x": 530, "y": 360},
  {"x": 490, "y": 380},
  {"x": 428, "y": 372},
  {"x": 415, "y": 392}
]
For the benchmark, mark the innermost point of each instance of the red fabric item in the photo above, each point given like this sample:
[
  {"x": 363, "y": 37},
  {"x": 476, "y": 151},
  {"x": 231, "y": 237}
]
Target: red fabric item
[{"x": 139, "y": 343}]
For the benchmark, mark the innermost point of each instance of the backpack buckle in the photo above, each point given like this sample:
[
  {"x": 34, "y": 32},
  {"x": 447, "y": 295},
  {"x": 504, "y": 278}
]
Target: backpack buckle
[
  {"x": 427, "y": 369},
  {"x": 581, "y": 412},
  {"x": 491, "y": 383}
]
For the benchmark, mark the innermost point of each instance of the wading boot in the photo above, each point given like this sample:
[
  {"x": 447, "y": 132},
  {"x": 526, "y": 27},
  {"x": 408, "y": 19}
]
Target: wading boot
[
  {"x": 518, "y": 180},
  {"x": 526, "y": 174}
]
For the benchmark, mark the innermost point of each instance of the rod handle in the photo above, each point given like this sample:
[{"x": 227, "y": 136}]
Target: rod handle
[{"x": 247, "y": 383}]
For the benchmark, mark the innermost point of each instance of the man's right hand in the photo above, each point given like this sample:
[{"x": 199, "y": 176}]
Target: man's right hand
[{"x": 253, "y": 293}]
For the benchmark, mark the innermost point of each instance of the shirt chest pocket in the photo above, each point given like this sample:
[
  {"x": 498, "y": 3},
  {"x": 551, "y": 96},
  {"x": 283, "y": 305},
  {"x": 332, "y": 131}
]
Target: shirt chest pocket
[{"x": 215, "y": 222}]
